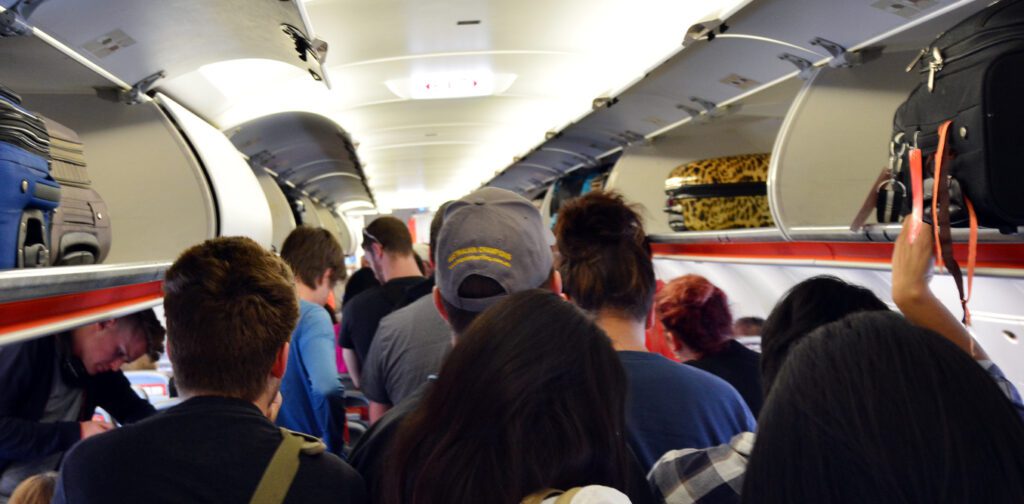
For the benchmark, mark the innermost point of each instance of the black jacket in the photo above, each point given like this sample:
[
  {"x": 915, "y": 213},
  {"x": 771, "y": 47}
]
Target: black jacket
[{"x": 26, "y": 377}]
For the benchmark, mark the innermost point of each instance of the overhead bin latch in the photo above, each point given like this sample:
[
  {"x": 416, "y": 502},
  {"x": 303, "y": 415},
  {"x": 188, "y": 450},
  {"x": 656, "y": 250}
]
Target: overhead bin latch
[
  {"x": 841, "y": 58},
  {"x": 802, "y": 64},
  {"x": 12, "y": 24},
  {"x": 306, "y": 47},
  {"x": 134, "y": 95},
  {"x": 704, "y": 29}
]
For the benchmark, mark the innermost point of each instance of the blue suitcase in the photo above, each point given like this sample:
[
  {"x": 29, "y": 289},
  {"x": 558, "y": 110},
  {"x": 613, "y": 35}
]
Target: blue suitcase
[{"x": 28, "y": 196}]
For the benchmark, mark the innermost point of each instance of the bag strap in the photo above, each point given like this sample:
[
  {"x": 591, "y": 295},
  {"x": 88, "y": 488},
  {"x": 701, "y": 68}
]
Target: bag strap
[
  {"x": 943, "y": 228},
  {"x": 870, "y": 201},
  {"x": 917, "y": 191},
  {"x": 563, "y": 497},
  {"x": 277, "y": 477}
]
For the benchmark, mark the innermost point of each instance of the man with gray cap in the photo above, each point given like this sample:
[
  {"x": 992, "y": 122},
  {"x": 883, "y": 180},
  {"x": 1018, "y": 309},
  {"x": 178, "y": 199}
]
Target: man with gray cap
[{"x": 493, "y": 243}]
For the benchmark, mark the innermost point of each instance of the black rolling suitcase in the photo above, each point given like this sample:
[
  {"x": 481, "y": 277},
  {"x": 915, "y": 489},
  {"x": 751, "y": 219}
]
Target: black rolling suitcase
[
  {"x": 81, "y": 232},
  {"x": 28, "y": 193}
]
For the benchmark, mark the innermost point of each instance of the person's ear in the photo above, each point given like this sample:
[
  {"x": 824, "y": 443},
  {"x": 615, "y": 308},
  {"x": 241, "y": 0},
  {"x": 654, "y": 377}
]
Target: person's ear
[
  {"x": 167, "y": 347},
  {"x": 325, "y": 279},
  {"x": 556, "y": 284},
  {"x": 280, "y": 362},
  {"x": 439, "y": 304},
  {"x": 378, "y": 250}
]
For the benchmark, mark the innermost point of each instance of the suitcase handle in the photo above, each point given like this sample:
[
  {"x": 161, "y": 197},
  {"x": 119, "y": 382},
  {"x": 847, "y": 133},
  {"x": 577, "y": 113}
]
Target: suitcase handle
[{"x": 77, "y": 248}]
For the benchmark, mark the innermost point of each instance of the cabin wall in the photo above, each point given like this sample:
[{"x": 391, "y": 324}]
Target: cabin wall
[
  {"x": 753, "y": 290},
  {"x": 158, "y": 198}
]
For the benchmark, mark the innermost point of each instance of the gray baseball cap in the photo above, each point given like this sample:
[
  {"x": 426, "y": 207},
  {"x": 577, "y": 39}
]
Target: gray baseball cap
[{"x": 496, "y": 234}]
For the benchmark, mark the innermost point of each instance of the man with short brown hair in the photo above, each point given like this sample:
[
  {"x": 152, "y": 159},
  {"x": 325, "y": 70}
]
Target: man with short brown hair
[
  {"x": 314, "y": 398},
  {"x": 51, "y": 386},
  {"x": 388, "y": 246},
  {"x": 231, "y": 308}
]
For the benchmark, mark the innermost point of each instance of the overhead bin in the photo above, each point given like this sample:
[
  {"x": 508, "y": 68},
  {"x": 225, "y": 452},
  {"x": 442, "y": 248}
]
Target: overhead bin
[
  {"x": 280, "y": 209},
  {"x": 145, "y": 44},
  {"x": 306, "y": 152}
]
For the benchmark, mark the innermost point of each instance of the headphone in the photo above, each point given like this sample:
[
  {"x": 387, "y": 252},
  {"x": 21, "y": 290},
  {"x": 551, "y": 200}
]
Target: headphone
[{"x": 72, "y": 369}]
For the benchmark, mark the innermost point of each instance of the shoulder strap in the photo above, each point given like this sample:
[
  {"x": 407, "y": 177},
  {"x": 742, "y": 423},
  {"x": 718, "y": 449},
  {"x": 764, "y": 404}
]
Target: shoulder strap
[
  {"x": 563, "y": 497},
  {"x": 277, "y": 477}
]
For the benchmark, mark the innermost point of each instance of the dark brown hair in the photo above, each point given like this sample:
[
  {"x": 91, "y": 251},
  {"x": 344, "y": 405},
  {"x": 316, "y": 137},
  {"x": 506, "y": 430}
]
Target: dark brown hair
[
  {"x": 392, "y": 235},
  {"x": 696, "y": 312},
  {"x": 146, "y": 323},
  {"x": 310, "y": 252},
  {"x": 605, "y": 256},
  {"x": 230, "y": 308},
  {"x": 532, "y": 397}
]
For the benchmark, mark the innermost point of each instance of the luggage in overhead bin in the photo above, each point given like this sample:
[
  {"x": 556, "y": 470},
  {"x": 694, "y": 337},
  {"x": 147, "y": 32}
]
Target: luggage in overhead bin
[
  {"x": 28, "y": 193},
  {"x": 80, "y": 233},
  {"x": 719, "y": 193},
  {"x": 968, "y": 101}
]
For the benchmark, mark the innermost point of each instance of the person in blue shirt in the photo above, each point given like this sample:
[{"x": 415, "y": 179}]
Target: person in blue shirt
[
  {"x": 605, "y": 263},
  {"x": 313, "y": 396}
]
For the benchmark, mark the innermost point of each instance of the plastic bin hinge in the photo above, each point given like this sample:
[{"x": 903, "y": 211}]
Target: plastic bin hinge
[
  {"x": 802, "y": 64},
  {"x": 134, "y": 95}
]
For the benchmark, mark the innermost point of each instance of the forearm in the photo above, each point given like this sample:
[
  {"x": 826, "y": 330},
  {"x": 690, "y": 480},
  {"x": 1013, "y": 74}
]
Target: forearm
[
  {"x": 920, "y": 306},
  {"x": 352, "y": 363}
]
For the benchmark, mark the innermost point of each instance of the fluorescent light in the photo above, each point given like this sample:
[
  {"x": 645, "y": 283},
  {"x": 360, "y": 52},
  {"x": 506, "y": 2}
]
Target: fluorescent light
[
  {"x": 370, "y": 211},
  {"x": 450, "y": 85},
  {"x": 352, "y": 205}
]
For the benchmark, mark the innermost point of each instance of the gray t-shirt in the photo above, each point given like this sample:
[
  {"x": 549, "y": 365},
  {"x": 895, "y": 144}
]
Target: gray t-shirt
[
  {"x": 409, "y": 346},
  {"x": 62, "y": 406}
]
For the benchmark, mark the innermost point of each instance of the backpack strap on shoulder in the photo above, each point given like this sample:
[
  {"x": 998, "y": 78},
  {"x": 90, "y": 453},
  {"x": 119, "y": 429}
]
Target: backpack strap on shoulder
[{"x": 277, "y": 477}]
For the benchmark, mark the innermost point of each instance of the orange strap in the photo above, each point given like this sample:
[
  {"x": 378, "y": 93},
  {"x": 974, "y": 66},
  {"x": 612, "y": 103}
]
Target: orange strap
[
  {"x": 917, "y": 189},
  {"x": 940, "y": 156},
  {"x": 972, "y": 258}
]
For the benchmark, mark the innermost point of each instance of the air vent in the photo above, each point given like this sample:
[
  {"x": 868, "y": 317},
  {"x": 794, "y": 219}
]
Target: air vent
[
  {"x": 468, "y": 22},
  {"x": 907, "y": 9}
]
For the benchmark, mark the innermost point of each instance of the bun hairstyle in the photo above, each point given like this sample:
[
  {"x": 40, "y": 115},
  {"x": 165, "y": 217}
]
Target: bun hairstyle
[
  {"x": 605, "y": 258},
  {"x": 696, "y": 312}
]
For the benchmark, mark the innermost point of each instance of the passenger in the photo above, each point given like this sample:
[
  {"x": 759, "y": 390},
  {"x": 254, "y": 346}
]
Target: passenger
[
  {"x": 362, "y": 280},
  {"x": 606, "y": 263},
  {"x": 36, "y": 490},
  {"x": 873, "y": 409},
  {"x": 748, "y": 326},
  {"x": 532, "y": 398},
  {"x": 49, "y": 388},
  {"x": 388, "y": 247},
  {"x": 696, "y": 314},
  {"x": 715, "y": 475},
  {"x": 314, "y": 398},
  {"x": 409, "y": 346},
  {"x": 231, "y": 308}
]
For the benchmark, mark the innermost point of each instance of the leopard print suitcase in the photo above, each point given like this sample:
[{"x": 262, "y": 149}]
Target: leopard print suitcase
[{"x": 719, "y": 193}]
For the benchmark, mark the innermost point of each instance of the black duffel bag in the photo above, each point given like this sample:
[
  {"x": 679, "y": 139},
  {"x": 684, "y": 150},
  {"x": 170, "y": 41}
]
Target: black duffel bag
[{"x": 972, "y": 77}]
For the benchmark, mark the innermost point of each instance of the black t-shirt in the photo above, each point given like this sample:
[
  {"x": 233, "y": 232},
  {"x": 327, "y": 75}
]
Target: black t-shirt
[
  {"x": 741, "y": 367},
  {"x": 360, "y": 281},
  {"x": 207, "y": 449},
  {"x": 362, "y": 314}
]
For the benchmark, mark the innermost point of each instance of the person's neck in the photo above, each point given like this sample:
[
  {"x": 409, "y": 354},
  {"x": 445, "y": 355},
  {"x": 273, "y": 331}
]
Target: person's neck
[
  {"x": 305, "y": 293},
  {"x": 626, "y": 333},
  {"x": 400, "y": 267},
  {"x": 263, "y": 402}
]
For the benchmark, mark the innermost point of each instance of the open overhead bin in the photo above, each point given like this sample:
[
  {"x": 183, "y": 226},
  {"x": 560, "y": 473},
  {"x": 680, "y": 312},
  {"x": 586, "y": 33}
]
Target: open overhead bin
[
  {"x": 307, "y": 153},
  {"x": 145, "y": 44}
]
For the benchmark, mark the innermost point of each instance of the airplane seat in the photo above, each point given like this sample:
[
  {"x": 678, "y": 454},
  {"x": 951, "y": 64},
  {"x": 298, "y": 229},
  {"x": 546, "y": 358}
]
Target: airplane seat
[{"x": 154, "y": 385}]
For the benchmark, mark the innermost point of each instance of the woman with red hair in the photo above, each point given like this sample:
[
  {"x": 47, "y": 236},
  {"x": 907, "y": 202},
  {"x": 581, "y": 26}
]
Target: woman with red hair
[{"x": 696, "y": 313}]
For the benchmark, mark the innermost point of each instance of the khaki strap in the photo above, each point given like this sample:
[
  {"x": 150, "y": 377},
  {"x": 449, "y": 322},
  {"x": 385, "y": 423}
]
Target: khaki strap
[
  {"x": 564, "y": 497},
  {"x": 277, "y": 477}
]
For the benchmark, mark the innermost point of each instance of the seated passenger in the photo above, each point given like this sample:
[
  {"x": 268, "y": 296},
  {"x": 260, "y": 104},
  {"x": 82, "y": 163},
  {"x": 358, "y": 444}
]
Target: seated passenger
[
  {"x": 532, "y": 398},
  {"x": 231, "y": 309},
  {"x": 873, "y": 409},
  {"x": 36, "y": 490},
  {"x": 50, "y": 387},
  {"x": 314, "y": 398},
  {"x": 409, "y": 346},
  {"x": 606, "y": 264},
  {"x": 715, "y": 475},
  {"x": 388, "y": 247},
  {"x": 696, "y": 314}
]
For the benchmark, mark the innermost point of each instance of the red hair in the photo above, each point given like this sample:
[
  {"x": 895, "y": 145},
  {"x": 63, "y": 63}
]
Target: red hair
[{"x": 696, "y": 312}]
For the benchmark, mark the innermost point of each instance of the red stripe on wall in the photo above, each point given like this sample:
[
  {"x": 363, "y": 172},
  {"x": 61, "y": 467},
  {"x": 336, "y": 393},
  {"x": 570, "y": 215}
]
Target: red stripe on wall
[
  {"x": 990, "y": 255},
  {"x": 21, "y": 315}
]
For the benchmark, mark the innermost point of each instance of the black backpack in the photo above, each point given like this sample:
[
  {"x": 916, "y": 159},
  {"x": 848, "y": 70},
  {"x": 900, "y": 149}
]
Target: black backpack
[{"x": 971, "y": 77}]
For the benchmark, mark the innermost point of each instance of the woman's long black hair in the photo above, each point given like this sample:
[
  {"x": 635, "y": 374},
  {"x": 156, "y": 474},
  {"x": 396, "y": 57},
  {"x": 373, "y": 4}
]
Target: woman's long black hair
[
  {"x": 532, "y": 397},
  {"x": 874, "y": 409}
]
